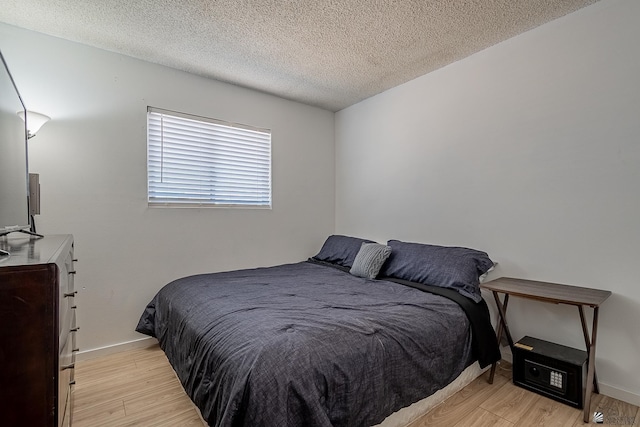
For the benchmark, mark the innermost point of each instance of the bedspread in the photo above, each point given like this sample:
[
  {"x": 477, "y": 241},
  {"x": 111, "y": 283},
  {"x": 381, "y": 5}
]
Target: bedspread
[{"x": 306, "y": 345}]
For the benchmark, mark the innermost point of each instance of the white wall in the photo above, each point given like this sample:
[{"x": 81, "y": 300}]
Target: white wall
[
  {"x": 529, "y": 150},
  {"x": 92, "y": 162}
]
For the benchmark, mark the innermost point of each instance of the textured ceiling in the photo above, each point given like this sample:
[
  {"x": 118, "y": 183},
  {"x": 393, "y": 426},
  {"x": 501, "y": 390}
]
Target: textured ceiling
[{"x": 327, "y": 53}]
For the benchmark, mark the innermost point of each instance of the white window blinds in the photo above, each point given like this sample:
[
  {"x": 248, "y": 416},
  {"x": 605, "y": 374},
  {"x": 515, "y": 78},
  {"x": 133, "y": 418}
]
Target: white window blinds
[{"x": 195, "y": 161}]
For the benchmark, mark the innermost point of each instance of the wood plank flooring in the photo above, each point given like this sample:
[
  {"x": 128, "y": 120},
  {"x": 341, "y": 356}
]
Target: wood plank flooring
[
  {"x": 132, "y": 388},
  {"x": 139, "y": 388}
]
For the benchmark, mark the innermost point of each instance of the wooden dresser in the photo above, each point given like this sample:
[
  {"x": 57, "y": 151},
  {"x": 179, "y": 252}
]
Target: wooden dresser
[{"x": 37, "y": 330}]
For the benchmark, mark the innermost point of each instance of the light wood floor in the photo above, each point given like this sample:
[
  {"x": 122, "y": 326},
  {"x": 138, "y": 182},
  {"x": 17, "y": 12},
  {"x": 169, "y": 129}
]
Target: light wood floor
[{"x": 139, "y": 388}]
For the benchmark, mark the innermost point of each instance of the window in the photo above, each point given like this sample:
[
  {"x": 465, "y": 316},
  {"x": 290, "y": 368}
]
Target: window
[{"x": 196, "y": 161}]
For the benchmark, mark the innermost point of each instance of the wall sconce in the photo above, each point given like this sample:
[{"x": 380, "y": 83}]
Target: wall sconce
[{"x": 34, "y": 122}]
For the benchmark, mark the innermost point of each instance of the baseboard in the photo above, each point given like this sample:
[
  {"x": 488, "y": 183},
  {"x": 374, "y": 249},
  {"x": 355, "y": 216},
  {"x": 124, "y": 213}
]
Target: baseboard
[
  {"x": 605, "y": 389},
  {"x": 616, "y": 393},
  {"x": 115, "y": 348}
]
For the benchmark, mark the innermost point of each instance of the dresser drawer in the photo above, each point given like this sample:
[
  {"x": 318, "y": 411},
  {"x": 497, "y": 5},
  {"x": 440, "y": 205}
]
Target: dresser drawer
[
  {"x": 67, "y": 328},
  {"x": 67, "y": 301},
  {"x": 66, "y": 377},
  {"x": 69, "y": 263},
  {"x": 66, "y": 415}
]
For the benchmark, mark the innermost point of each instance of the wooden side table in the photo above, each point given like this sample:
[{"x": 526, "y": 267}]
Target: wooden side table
[{"x": 557, "y": 294}]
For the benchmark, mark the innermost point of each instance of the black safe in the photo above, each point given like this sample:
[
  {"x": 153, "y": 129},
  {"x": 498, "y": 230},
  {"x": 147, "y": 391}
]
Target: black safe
[{"x": 552, "y": 370}]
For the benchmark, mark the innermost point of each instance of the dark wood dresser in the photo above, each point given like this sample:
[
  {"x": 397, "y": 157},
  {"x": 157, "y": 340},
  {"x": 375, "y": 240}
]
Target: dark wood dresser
[{"x": 37, "y": 330}]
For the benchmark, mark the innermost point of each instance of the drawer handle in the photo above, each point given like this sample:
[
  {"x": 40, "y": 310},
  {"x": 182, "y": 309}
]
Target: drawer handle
[
  {"x": 72, "y": 382},
  {"x": 72, "y": 272},
  {"x": 74, "y": 329},
  {"x": 71, "y": 366},
  {"x": 70, "y": 294},
  {"x": 75, "y": 260},
  {"x": 73, "y": 307},
  {"x": 75, "y": 349}
]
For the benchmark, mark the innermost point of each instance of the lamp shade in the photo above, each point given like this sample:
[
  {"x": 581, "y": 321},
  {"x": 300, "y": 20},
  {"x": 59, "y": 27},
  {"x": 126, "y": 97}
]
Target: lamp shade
[{"x": 34, "y": 121}]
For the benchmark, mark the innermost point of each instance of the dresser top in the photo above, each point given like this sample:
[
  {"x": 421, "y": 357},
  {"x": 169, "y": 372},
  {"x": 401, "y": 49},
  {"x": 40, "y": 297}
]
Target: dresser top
[{"x": 29, "y": 250}]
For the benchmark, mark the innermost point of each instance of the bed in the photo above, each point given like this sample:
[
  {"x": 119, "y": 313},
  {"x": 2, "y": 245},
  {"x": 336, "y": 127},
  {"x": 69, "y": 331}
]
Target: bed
[{"x": 345, "y": 338}]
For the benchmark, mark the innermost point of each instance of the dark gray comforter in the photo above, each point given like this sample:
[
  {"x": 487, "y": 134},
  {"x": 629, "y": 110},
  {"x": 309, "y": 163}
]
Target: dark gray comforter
[{"x": 306, "y": 345}]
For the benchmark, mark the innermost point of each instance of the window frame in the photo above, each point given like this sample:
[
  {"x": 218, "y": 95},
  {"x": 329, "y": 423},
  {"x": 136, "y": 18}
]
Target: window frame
[{"x": 262, "y": 199}]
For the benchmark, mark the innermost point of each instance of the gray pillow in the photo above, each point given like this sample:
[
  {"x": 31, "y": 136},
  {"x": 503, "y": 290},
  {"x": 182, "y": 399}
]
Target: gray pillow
[
  {"x": 341, "y": 250},
  {"x": 445, "y": 266},
  {"x": 369, "y": 260}
]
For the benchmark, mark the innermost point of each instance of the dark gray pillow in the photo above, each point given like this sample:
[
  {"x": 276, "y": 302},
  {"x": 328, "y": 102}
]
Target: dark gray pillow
[
  {"x": 445, "y": 266},
  {"x": 341, "y": 250},
  {"x": 369, "y": 260}
]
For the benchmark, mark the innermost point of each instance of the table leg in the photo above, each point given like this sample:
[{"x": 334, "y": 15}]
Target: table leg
[
  {"x": 503, "y": 319},
  {"x": 592, "y": 366},
  {"x": 587, "y": 342},
  {"x": 502, "y": 312},
  {"x": 505, "y": 303}
]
